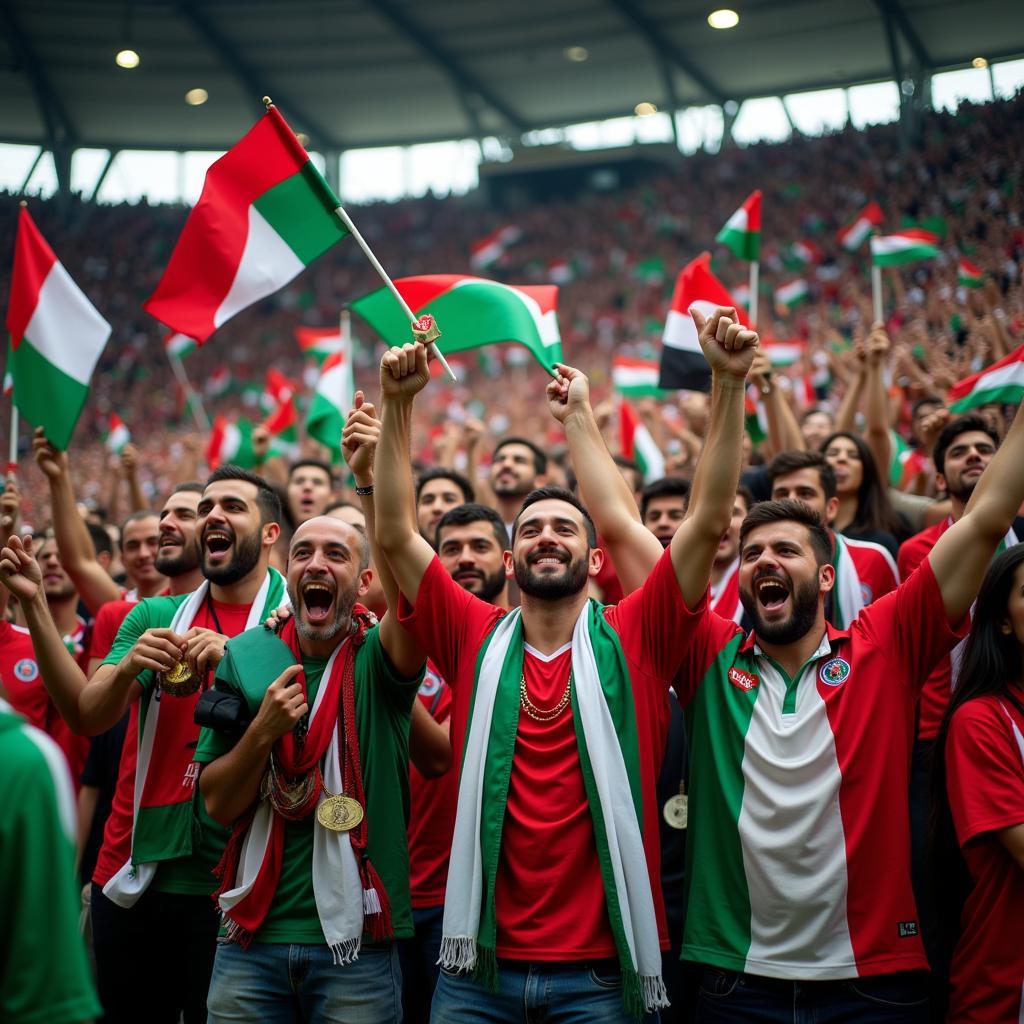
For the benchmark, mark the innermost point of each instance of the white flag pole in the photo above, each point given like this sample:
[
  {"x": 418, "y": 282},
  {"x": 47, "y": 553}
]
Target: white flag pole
[
  {"x": 12, "y": 455},
  {"x": 348, "y": 355},
  {"x": 755, "y": 268},
  {"x": 876, "y": 292},
  {"x": 194, "y": 401}
]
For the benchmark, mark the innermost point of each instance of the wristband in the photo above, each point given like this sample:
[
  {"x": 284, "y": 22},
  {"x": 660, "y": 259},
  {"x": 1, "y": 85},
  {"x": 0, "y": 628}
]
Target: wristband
[{"x": 364, "y": 492}]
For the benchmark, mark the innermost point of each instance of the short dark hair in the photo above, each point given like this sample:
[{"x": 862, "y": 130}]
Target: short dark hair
[
  {"x": 540, "y": 459},
  {"x": 741, "y": 492},
  {"x": 923, "y": 401},
  {"x": 267, "y": 498},
  {"x": 824, "y": 410},
  {"x": 134, "y": 517},
  {"x": 793, "y": 460},
  {"x": 788, "y": 510},
  {"x": 953, "y": 429},
  {"x": 444, "y": 473},
  {"x": 340, "y": 503},
  {"x": 189, "y": 485},
  {"x": 666, "y": 487},
  {"x": 100, "y": 539},
  {"x": 557, "y": 494},
  {"x": 316, "y": 464},
  {"x": 471, "y": 512}
]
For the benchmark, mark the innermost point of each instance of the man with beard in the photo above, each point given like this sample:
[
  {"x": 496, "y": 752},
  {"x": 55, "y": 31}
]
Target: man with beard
[
  {"x": 558, "y": 722},
  {"x": 160, "y": 656},
  {"x": 439, "y": 489},
  {"x": 316, "y": 871},
  {"x": 798, "y": 855},
  {"x": 518, "y": 466}
]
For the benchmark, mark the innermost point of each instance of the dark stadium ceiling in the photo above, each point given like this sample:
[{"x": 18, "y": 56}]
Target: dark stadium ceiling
[{"x": 354, "y": 73}]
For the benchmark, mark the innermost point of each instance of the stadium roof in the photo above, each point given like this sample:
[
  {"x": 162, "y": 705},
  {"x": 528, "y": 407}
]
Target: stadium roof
[{"x": 356, "y": 73}]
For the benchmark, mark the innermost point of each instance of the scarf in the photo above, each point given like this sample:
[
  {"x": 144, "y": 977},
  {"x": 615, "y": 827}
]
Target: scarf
[
  {"x": 165, "y": 775},
  {"x": 349, "y": 895},
  {"x": 606, "y": 736}
]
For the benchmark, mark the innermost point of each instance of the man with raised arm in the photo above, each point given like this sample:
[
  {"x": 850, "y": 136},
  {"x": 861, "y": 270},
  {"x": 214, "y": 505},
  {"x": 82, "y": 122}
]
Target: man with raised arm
[{"x": 558, "y": 721}]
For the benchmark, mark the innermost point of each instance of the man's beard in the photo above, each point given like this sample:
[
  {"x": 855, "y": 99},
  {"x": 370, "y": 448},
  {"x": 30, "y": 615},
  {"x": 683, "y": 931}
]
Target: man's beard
[
  {"x": 243, "y": 561},
  {"x": 184, "y": 561},
  {"x": 487, "y": 586},
  {"x": 339, "y": 625},
  {"x": 964, "y": 491},
  {"x": 552, "y": 588},
  {"x": 513, "y": 488},
  {"x": 804, "y": 595}
]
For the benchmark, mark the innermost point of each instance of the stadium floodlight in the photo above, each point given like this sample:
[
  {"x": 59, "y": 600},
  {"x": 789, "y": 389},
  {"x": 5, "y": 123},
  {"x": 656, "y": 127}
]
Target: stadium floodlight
[
  {"x": 196, "y": 97},
  {"x": 127, "y": 58},
  {"x": 576, "y": 54},
  {"x": 979, "y": 62},
  {"x": 723, "y": 18},
  {"x": 645, "y": 109}
]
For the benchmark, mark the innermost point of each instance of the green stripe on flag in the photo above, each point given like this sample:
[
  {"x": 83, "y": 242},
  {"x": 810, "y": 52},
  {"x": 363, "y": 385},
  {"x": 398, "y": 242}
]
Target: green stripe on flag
[{"x": 45, "y": 395}]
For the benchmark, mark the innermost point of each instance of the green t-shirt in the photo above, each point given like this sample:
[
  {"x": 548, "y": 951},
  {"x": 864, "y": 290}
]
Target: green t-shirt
[
  {"x": 44, "y": 974},
  {"x": 383, "y": 702},
  {"x": 193, "y": 874}
]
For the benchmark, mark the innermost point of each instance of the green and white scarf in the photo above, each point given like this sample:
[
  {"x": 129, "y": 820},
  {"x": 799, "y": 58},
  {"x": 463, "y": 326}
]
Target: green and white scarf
[{"x": 606, "y": 734}]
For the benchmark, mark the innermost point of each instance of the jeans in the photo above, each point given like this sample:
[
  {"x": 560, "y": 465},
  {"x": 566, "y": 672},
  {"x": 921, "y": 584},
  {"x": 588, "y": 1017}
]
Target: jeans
[
  {"x": 728, "y": 996},
  {"x": 419, "y": 964},
  {"x": 278, "y": 983},
  {"x": 583, "y": 993},
  {"x": 153, "y": 960}
]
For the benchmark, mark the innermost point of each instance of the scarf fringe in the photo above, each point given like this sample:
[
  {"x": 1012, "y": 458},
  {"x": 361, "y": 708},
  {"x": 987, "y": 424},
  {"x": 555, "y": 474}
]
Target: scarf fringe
[
  {"x": 643, "y": 994},
  {"x": 347, "y": 952},
  {"x": 457, "y": 954},
  {"x": 234, "y": 932},
  {"x": 376, "y": 905}
]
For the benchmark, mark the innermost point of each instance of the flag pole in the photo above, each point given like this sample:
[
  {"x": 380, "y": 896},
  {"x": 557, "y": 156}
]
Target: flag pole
[
  {"x": 12, "y": 455},
  {"x": 876, "y": 292},
  {"x": 194, "y": 401},
  {"x": 755, "y": 268}
]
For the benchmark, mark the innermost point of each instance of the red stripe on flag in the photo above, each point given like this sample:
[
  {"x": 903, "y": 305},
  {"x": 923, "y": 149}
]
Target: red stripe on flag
[
  {"x": 628, "y": 423},
  {"x": 33, "y": 261},
  {"x": 753, "y": 206}
]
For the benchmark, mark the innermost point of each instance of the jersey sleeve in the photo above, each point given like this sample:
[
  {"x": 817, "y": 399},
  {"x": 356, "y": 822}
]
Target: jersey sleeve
[
  {"x": 212, "y": 742},
  {"x": 104, "y": 629},
  {"x": 984, "y": 770},
  {"x": 446, "y": 619}
]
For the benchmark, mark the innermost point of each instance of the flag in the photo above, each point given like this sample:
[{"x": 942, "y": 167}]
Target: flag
[
  {"x": 488, "y": 250},
  {"x": 8, "y": 374},
  {"x": 230, "y": 442},
  {"x": 283, "y": 424},
  {"x": 742, "y": 231},
  {"x": 637, "y": 444},
  {"x": 906, "y": 464},
  {"x": 1001, "y": 382},
  {"x": 265, "y": 213},
  {"x": 277, "y": 390},
  {"x": 561, "y": 272},
  {"x": 969, "y": 275},
  {"x": 116, "y": 436},
  {"x": 219, "y": 382},
  {"x": 636, "y": 378},
  {"x": 56, "y": 337},
  {"x": 319, "y": 343},
  {"x": 178, "y": 345},
  {"x": 332, "y": 398},
  {"x": 782, "y": 353},
  {"x": 802, "y": 254},
  {"x": 852, "y": 237},
  {"x": 682, "y": 362},
  {"x": 792, "y": 293},
  {"x": 755, "y": 419},
  {"x": 470, "y": 312},
  {"x": 905, "y": 246}
]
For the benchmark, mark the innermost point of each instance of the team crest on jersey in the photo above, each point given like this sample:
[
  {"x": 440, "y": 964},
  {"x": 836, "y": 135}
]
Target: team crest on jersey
[
  {"x": 26, "y": 670},
  {"x": 430, "y": 685},
  {"x": 867, "y": 595},
  {"x": 834, "y": 671},
  {"x": 745, "y": 681}
]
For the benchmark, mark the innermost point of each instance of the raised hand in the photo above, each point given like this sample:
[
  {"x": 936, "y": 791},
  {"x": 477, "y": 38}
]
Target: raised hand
[
  {"x": 728, "y": 346},
  {"x": 404, "y": 370},
  {"x": 359, "y": 438},
  {"x": 52, "y": 461},
  {"x": 282, "y": 706},
  {"x": 19, "y": 571},
  {"x": 568, "y": 392},
  {"x": 10, "y": 506},
  {"x": 130, "y": 456},
  {"x": 877, "y": 344}
]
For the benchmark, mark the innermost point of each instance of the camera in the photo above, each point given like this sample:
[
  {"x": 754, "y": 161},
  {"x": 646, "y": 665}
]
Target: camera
[{"x": 222, "y": 710}]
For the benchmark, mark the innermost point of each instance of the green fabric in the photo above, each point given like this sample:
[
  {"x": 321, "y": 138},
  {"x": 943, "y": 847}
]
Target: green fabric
[
  {"x": 44, "y": 973},
  {"x": 384, "y": 702}
]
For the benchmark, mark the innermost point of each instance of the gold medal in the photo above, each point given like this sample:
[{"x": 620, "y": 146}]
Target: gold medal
[
  {"x": 339, "y": 813},
  {"x": 676, "y": 811},
  {"x": 180, "y": 681}
]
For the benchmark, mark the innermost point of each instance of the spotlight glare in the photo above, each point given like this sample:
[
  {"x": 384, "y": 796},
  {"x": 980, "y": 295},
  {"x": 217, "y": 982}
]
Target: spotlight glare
[
  {"x": 126, "y": 58},
  {"x": 303, "y": 138},
  {"x": 576, "y": 54},
  {"x": 979, "y": 62},
  {"x": 645, "y": 109},
  {"x": 723, "y": 18},
  {"x": 196, "y": 97}
]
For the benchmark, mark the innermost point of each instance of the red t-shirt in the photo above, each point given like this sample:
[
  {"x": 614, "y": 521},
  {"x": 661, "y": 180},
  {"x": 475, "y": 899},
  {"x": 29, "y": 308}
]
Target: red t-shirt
[
  {"x": 549, "y": 896},
  {"x": 432, "y": 809},
  {"x": 985, "y": 783}
]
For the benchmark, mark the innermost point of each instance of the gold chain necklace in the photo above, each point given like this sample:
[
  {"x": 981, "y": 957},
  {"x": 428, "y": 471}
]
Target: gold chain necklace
[{"x": 543, "y": 714}]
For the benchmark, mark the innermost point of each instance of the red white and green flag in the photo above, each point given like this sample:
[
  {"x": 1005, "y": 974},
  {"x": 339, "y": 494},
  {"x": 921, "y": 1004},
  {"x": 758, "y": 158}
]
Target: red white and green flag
[
  {"x": 782, "y": 353},
  {"x": 742, "y": 231},
  {"x": 1002, "y": 382},
  {"x": 219, "y": 382},
  {"x": 792, "y": 293},
  {"x": 332, "y": 398},
  {"x": 853, "y": 236},
  {"x": 682, "y": 361},
  {"x": 803, "y": 254},
  {"x": 487, "y": 251},
  {"x": 265, "y": 213},
  {"x": 636, "y": 378},
  {"x": 637, "y": 443},
  {"x": 969, "y": 275},
  {"x": 56, "y": 337},
  {"x": 283, "y": 418},
  {"x": 116, "y": 435},
  {"x": 470, "y": 311},
  {"x": 178, "y": 345},
  {"x": 277, "y": 390},
  {"x": 8, "y": 385},
  {"x": 906, "y": 246},
  {"x": 906, "y": 464},
  {"x": 319, "y": 343},
  {"x": 561, "y": 272},
  {"x": 755, "y": 418},
  {"x": 230, "y": 442}
]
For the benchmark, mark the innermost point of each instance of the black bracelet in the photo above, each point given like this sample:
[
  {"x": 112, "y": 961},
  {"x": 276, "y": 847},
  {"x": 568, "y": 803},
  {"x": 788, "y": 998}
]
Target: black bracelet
[{"x": 364, "y": 492}]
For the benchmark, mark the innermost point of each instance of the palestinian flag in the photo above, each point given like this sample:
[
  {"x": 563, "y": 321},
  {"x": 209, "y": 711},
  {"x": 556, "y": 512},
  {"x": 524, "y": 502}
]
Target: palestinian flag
[
  {"x": 1002, "y": 382},
  {"x": 755, "y": 419},
  {"x": 219, "y": 382},
  {"x": 56, "y": 337},
  {"x": 802, "y": 254},
  {"x": 853, "y": 236},
  {"x": 230, "y": 443},
  {"x": 906, "y": 246},
  {"x": 791, "y": 294},
  {"x": 178, "y": 345},
  {"x": 332, "y": 398},
  {"x": 637, "y": 444},
  {"x": 969, "y": 275},
  {"x": 470, "y": 312},
  {"x": 488, "y": 250},
  {"x": 741, "y": 293},
  {"x": 283, "y": 424},
  {"x": 636, "y": 378},
  {"x": 742, "y": 231},
  {"x": 265, "y": 213},
  {"x": 116, "y": 435},
  {"x": 907, "y": 463},
  {"x": 782, "y": 353},
  {"x": 682, "y": 361},
  {"x": 319, "y": 343}
]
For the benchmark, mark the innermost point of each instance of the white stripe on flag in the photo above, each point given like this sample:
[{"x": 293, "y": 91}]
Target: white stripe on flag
[{"x": 680, "y": 331}]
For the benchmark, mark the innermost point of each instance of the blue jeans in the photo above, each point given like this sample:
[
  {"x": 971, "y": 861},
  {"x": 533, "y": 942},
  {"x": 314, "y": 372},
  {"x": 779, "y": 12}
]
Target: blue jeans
[
  {"x": 418, "y": 956},
  {"x": 728, "y": 996},
  {"x": 553, "y": 993},
  {"x": 277, "y": 983}
]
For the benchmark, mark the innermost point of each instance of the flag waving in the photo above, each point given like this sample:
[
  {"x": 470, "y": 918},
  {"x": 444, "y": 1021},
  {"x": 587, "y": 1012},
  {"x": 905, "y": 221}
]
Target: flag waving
[
  {"x": 906, "y": 246},
  {"x": 331, "y": 401},
  {"x": 56, "y": 336},
  {"x": 852, "y": 237},
  {"x": 116, "y": 436},
  {"x": 1001, "y": 382},
  {"x": 742, "y": 231},
  {"x": 265, "y": 213}
]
